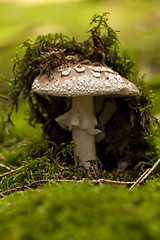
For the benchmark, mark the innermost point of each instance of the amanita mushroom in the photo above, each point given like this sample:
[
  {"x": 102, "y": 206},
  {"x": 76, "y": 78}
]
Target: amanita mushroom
[{"x": 82, "y": 82}]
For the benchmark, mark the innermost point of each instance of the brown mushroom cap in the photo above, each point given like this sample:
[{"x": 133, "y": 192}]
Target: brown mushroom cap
[{"x": 84, "y": 79}]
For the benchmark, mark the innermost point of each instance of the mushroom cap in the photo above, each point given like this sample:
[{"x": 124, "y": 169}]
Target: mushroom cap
[{"x": 84, "y": 79}]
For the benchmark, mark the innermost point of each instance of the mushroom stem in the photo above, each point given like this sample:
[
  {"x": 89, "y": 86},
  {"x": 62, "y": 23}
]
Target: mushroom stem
[
  {"x": 85, "y": 150},
  {"x": 83, "y": 134},
  {"x": 81, "y": 121}
]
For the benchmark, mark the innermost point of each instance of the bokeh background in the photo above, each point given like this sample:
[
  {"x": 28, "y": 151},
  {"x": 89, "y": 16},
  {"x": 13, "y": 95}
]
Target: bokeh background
[{"x": 138, "y": 23}]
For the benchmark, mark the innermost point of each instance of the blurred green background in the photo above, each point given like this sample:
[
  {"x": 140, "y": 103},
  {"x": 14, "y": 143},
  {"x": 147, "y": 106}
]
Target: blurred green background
[{"x": 138, "y": 22}]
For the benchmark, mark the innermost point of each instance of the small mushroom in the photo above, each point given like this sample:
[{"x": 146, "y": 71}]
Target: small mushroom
[{"x": 82, "y": 82}]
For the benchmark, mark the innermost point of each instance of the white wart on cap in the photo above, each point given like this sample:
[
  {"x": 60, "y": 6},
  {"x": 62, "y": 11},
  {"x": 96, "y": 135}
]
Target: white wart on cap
[
  {"x": 84, "y": 79},
  {"x": 82, "y": 82}
]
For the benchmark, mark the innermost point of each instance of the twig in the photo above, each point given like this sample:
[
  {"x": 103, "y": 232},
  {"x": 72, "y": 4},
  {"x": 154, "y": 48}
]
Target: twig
[
  {"x": 2, "y": 195},
  {"x": 110, "y": 181},
  {"x": 139, "y": 179},
  {"x": 145, "y": 175},
  {"x": 11, "y": 171},
  {"x": 151, "y": 170},
  {"x": 21, "y": 187},
  {"x": 4, "y": 166},
  {"x": 91, "y": 181},
  {"x": 42, "y": 181},
  {"x": 32, "y": 175}
]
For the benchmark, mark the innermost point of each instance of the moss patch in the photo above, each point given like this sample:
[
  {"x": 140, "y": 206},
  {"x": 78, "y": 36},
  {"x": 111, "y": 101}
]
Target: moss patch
[{"x": 79, "y": 211}]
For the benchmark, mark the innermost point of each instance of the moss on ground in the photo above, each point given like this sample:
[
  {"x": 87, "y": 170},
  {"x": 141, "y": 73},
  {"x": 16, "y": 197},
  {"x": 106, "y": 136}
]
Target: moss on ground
[{"x": 80, "y": 211}]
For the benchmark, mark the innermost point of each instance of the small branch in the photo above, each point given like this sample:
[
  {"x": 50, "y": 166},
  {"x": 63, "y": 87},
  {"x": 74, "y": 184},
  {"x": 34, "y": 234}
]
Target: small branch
[
  {"x": 145, "y": 175},
  {"x": 150, "y": 171},
  {"x": 2, "y": 195},
  {"x": 42, "y": 181},
  {"x": 11, "y": 171},
  {"x": 139, "y": 179},
  {"x": 4, "y": 166},
  {"x": 110, "y": 181},
  {"x": 32, "y": 175},
  {"x": 92, "y": 181}
]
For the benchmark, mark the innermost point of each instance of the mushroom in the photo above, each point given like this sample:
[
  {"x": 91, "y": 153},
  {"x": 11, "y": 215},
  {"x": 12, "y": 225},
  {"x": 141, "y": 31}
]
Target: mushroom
[{"x": 81, "y": 82}]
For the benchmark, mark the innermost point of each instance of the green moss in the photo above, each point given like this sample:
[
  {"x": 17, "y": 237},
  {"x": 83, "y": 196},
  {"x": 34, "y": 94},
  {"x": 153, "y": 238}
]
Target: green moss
[
  {"x": 79, "y": 211},
  {"x": 43, "y": 160}
]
